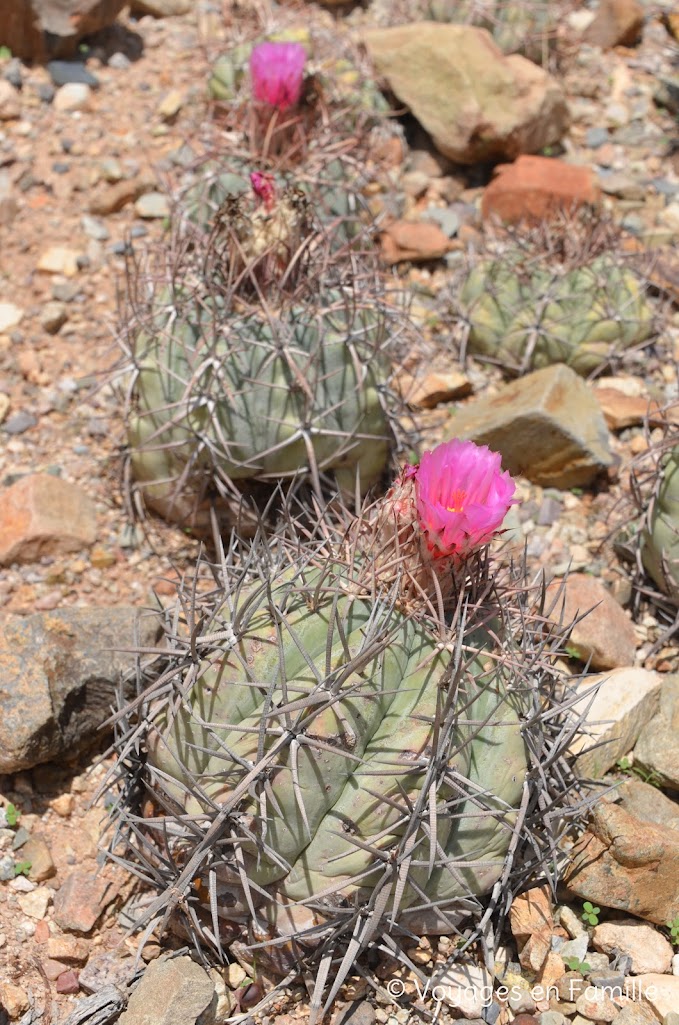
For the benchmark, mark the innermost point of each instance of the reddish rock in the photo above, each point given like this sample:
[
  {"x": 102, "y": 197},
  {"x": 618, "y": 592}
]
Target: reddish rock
[
  {"x": 81, "y": 900},
  {"x": 537, "y": 188},
  {"x": 413, "y": 240},
  {"x": 42, "y": 932},
  {"x": 68, "y": 982},
  {"x": 605, "y": 635},
  {"x": 617, "y": 23},
  {"x": 532, "y": 926},
  {"x": 42, "y": 29},
  {"x": 621, "y": 862},
  {"x": 44, "y": 515}
]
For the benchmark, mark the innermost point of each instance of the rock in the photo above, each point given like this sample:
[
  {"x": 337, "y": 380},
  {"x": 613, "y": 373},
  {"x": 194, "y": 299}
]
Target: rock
[
  {"x": 19, "y": 423},
  {"x": 73, "y": 96},
  {"x": 358, "y": 1013},
  {"x": 170, "y": 105},
  {"x": 44, "y": 515},
  {"x": 573, "y": 925},
  {"x": 59, "y": 260},
  {"x": 532, "y": 926},
  {"x": 624, "y": 863},
  {"x": 413, "y": 240},
  {"x": 546, "y": 425},
  {"x": 605, "y": 635},
  {"x": 657, "y": 749},
  {"x": 38, "y": 853},
  {"x": 10, "y": 104},
  {"x": 535, "y": 189},
  {"x": 636, "y": 1014},
  {"x": 622, "y": 411},
  {"x": 53, "y": 316},
  {"x": 81, "y": 899},
  {"x": 649, "y": 951},
  {"x": 172, "y": 991},
  {"x": 463, "y": 988},
  {"x": 648, "y": 803},
  {"x": 10, "y": 316},
  {"x": 476, "y": 103},
  {"x": 63, "y": 805},
  {"x": 596, "y": 1005},
  {"x": 433, "y": 389},
  {"x": 67, "y": 949},
  {"x": 35, "y": 903},
  {"x": 67, "y": 72},
  {"x": 617, "y": 23},
  {"x": 615, "y": 714},
  {"x": 160, "y": 8},
  {"x": 60, "y": 674},
  {"x": 67, "y": 982},
  {"x": 152, "y": 206},
  {"x": 110, "y": 968},
  {"x": 39, "y": 29},
  {"x": 115, "y": 197},
  {"x": 660, "y": 992},
  {"x": 14, "y": 999}
]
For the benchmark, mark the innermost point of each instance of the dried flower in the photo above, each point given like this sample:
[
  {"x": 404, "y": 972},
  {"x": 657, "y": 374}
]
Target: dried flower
[
  {"x": 462, "y": 497},
  {"x": 277, "y": 71}
]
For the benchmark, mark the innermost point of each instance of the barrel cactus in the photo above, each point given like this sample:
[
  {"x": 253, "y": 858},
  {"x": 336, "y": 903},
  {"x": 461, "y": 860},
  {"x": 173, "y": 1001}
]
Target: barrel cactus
[
  {"x": 525, "y": 314},
  {"x": 319, "y": 763},
  {"x": 659, "y": 539}
]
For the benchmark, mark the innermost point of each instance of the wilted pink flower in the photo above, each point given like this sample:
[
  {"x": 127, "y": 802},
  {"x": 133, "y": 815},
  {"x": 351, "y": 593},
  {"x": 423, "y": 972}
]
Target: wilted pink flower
[
  {"x": 264, "y": 188},
  {"x": 277, "y": 71},
  {"x": 462, "y": 497}
]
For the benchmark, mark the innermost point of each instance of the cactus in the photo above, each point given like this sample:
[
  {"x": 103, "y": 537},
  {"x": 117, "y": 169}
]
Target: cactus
[
  {"x": 530, "y": 314},
  {"x": 659, "y": 539},
  {"x": 321, "y": 767}
]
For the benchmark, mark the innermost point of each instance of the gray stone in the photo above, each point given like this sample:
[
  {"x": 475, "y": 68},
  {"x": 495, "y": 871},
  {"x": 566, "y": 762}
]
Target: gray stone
[
  {"x": 40, "y": 29},
  {"x": 615, "y": 713},
  {"x": 60, "y": 673},
  {"x": 360, "y": 1012},
  {"x": 648, "y": 803},
  {"x": 657, "y": 749},
  {"x": 547, "y": 425},
  {"x": 476, "y": 103},
  {"x": 172, "y": 991},
  {"x": 62, "y": 72},
  {"x": 636, "y": 1014},
  {"x": 152, "y": 206},
  {"x": 20, "y": 422}
]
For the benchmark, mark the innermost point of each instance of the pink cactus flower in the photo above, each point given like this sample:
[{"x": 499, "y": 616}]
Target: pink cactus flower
[
  {"x": 264, "y": 188},
  {"x": 462, "y": 497},
  {"x": 277, "y": 72}
]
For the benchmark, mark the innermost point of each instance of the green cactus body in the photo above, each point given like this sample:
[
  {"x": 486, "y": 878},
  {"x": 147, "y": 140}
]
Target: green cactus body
[
  {"x": 325, "y": 727},
  {"x": 243, "y": 398},
  {"x": 529, "y": 319},
  {"x": 660, "y": 539}
]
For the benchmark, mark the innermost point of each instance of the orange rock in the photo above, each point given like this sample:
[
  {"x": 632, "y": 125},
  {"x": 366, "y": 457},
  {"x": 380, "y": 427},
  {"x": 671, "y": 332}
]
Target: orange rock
[
  {"x": 605, "y": 634},
  {"x": 532, "y": 926},
  {"x": 617, "y": 23},
  {"x": 536, "y": 188},
  {"x": 621, "y": 411},
  {"x": 413, "y": 240},
  {"x": 44, "y": 515}
]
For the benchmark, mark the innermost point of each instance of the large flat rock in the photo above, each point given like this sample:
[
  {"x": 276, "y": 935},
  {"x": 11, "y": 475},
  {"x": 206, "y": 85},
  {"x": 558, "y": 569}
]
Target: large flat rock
[
  {"x": 547, "y": 426},
  {"x": 476, "y": 103}
]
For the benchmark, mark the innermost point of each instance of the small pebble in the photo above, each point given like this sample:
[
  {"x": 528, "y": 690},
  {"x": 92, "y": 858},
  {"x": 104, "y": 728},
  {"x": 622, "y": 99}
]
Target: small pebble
[
  {"x": 19, "y": 423},
  {"x": 152, "y": 206},
  {"x": 72, "y": 96},
  {"x": 69, "y": 72}
]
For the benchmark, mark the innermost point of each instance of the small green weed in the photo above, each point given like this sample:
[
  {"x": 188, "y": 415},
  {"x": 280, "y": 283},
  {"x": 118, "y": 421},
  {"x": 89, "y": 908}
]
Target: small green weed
[
  {"x": 626, "y": 766},
  {"x": 590, "y": 913},
  {"x": 673, "y": 926},
  {"x": 574, "y": 964},
  {"x": 11, "y": 815},
  {"x": 5, "y": 53},
  {"x": 22, "y": 868}
]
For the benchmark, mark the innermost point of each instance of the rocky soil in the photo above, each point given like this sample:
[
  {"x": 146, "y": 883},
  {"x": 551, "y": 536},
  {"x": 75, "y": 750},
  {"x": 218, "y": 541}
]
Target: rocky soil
[{"x": 87, "y": 166}]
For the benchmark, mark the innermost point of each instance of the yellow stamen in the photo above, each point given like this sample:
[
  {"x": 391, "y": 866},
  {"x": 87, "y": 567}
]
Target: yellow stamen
[{"x": 458, "y": 499}]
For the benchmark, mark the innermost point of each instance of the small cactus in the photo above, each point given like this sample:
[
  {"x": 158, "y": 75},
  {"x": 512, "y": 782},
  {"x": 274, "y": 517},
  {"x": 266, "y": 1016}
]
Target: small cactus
[{"x": 525, "y": 314}]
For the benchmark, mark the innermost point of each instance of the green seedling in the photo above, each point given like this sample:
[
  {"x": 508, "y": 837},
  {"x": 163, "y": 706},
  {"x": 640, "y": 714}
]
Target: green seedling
[
  {"x": 22, "y": 868},
  {"x": 590, "y": 913},
  {"x": 11, "y": 815},
  {"x": 673, "y": 926},
  {"x": 574, "y": 964},
  {"x": 625, "y": 765}
]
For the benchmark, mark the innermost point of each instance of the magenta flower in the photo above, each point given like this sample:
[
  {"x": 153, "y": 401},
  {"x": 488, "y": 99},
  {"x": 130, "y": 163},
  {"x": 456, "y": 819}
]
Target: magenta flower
[
  {"x": 462, "y": 497},
  {"x": 264, "y": 188},
  {"x": 277, "y": 71}
]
